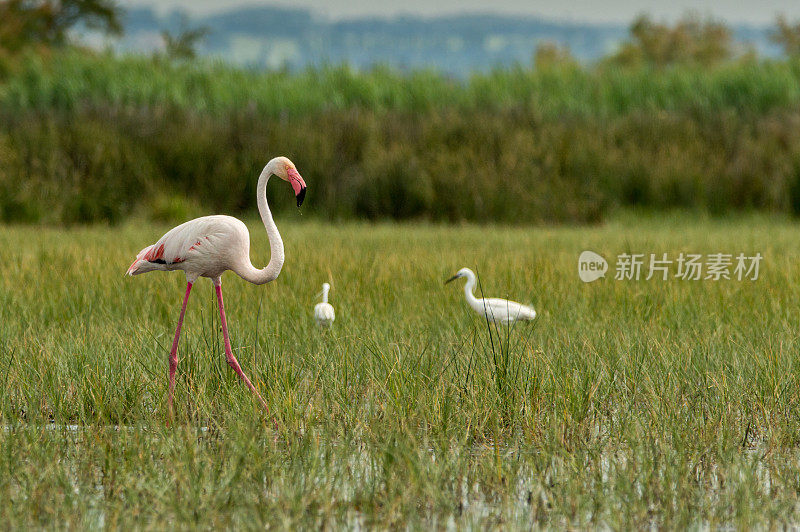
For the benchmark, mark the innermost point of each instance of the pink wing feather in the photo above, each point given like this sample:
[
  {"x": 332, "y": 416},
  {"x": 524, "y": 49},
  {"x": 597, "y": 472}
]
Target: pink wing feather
[{"x": 194, "y": 237}]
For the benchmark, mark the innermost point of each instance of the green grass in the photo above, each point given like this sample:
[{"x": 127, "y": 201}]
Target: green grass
[
  {"x": 75, "y": 79},
  {"x": 97, "y": 138},
  {"x": 626, "y": 404}
]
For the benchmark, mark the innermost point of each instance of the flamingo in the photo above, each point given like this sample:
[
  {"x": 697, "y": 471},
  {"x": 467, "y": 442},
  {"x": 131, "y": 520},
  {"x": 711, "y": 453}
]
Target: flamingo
[
  {"x": 323, "y": 312},
  {"x": 493, "y": 309},
  {"x": 210, "y": 245}
]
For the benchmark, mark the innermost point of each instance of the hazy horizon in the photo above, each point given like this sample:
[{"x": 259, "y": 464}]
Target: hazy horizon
[{"x": 612, "y": 11}]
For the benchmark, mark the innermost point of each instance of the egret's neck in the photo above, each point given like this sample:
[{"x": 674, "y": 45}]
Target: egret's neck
[
  {"x": 468, "y": 288},
  {"x": 325, "y": 290},
  {"x": 271, "y": 271}
]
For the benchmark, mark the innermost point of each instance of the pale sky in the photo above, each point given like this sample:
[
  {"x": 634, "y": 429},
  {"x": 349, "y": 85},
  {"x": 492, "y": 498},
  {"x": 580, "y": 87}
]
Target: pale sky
[{"x": 617, "y": 11}]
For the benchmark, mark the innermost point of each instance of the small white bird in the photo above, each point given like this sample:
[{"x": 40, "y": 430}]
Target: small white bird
[
  {"x": 494, "y": 309},
  {"x": 323, "y": 312}
]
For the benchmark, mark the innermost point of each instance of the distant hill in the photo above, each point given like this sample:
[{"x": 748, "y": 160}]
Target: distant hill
[{"x": 294, "y": 38}]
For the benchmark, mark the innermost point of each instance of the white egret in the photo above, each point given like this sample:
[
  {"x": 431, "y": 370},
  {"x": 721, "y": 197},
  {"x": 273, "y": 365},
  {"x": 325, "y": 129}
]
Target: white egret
[
  {"x": 494, "y": 309},
  {"x": 323, "y": 312}
]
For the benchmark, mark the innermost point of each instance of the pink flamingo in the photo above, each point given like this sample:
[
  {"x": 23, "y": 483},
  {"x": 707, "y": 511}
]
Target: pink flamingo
[{"x": 208, "y": 246}]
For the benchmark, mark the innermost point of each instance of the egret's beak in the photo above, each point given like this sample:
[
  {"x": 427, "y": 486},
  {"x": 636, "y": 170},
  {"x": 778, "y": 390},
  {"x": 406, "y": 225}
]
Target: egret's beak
[
  {"x": 298, "y": 185},
  {"x": 453, "y": 278}
]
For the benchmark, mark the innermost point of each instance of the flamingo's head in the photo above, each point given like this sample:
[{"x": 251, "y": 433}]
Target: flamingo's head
[{"x": 286, "y": 170}]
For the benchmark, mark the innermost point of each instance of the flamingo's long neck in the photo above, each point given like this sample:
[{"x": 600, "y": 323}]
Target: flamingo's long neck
[{"x": 271, "y": 271}]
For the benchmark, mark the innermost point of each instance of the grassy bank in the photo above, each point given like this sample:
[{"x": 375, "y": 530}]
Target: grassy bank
[
  {"x": 627, "y": 404},
  {"x": 71, "y": 80},
  {"x": 85, "y": 139}
]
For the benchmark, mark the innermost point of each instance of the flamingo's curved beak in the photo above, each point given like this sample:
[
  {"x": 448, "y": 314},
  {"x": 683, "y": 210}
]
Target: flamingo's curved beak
[{"x": 298, "y": 185}]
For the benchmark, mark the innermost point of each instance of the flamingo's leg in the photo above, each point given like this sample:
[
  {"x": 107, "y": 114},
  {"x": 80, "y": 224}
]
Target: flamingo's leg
[
  {"x": 173, "y": 354},
  {"x": 228, "y": 351}
]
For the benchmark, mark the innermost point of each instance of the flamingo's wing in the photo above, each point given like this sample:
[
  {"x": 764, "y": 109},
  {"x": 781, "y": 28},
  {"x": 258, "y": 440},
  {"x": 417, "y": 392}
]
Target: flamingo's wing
[
  {"x": 194, "y": 238},
  {"x": 147, "y": 261}
]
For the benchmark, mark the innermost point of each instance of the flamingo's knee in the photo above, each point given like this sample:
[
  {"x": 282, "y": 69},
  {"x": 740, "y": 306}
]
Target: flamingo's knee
[{"x": 232, "y": 362}]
